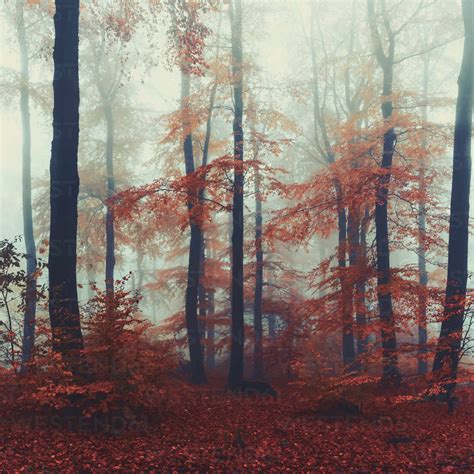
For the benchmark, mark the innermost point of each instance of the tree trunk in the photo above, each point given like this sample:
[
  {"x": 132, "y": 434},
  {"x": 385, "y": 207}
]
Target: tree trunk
[
  {"x": 63, "y": 302},
  {"x": 237, "y": 299},
  {"x": 422, "y": 273},
  {"x": 29, "y": 320},
  {"x": 361, "y": 316},
  {"x": 353, "y": 230},
  {"x": 109, "y": 216},
  {"x": 390, "y": 374},
  {"x": 348, "y": 350},
  {"x": 210, "y": 327},
  {"x": 449, "y": 345},
  {"x": 258, "y": 371},
  {"x": 202, "y": 294},
  {"x": 198, "y": 375},
  {"x": 257, "y": 302}
]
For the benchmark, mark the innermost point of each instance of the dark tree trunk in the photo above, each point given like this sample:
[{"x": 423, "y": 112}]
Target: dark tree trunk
[
  {"x": 449, "y": 345},
  {"x": 391, "y": 373},
  {"x": 210, "y": 327},
  {"x": 29, "y": 321},
  {"x": 257, "y": 302},
  {"x": 109, "y": 216},
  {"x": 211, "y": 334},
  {"x": 354, "y": 225},
  {"x": 198, "y": 375},
  {"x": 237, "y": 298},
  {"x": 353, "y": 230},
  {"x": 422, "y": 273},
  {"x": 258, "y": 370},
  {"x": 348, "y": 350},
  {"x": 361, "y": 316},
  {"x": 63, "y": 303},
  {"x": 202, "y": 294}
]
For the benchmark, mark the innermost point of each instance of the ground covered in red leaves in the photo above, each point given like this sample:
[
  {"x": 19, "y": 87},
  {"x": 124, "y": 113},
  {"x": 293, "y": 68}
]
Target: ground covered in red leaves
[{"x": 210, "y": 431}]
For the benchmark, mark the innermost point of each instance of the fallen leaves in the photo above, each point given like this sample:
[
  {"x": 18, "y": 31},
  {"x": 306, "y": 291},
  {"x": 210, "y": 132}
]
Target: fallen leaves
[{"x": 206, "y": 431}]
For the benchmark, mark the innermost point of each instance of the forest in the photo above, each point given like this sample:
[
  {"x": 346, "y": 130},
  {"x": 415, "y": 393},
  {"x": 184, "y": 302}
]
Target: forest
[{"x": 235, "y": 236}]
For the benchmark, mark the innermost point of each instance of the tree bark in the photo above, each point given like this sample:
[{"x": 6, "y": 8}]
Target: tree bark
[
  {"x": 204, "y": 294},
  {"x": 109, "y": 216},
  {"x": 210, "y": 327},
  {"x": 258, "y": 294},
  {"x": 422, "y": 273},
  {"x": 361, "y": 311},
  {"x": 63, "y": 302},
  {"x": 236, "y": 369},
  {"x": 390, "y": 371},
  {"x": 198, "y": 375},
  {"x": 29, "y": 320},
  {"x": 447, "y": 356}
]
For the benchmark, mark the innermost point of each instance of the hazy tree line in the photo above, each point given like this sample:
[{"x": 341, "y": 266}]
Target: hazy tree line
[{"x": 230, "y": 108}]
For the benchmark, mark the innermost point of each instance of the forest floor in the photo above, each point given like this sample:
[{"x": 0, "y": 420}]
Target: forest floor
[{"x": 208, "y": 431}]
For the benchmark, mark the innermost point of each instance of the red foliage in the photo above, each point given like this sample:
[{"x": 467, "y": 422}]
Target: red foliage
[{"x": 208, "y": 431}]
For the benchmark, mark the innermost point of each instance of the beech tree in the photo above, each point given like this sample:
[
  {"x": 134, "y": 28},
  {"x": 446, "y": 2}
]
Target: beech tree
[
  {"x": 386, "y": 62},
  {"x": 445, "y": 365},
  {"x": 185, "y": 24},
  {"x": 63, "y": 303},
  {"x": 237, "y": 288},
  {"x": 30, "y": 245}
]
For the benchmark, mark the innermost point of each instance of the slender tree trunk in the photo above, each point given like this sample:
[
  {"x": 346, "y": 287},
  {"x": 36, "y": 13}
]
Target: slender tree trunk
[
  {"x": 63, "y": 301},
  {"x": 210, "y": 326},
  {"x": 348, "y": 350},
  {"x": 202, "y": 294},
  {"x": 271, "y": 318},
  {"x": 422, "y": 273},
  {"x": 353, "y": 230},
  {"x": 191, "y": 308},
  {"x": 236, "y": 370},
  {"x": 29, "y": 321},
  {"x": 361, "y": 316},
  {"x": 391, "y": 373},
  {"x": 384, "y": 294},
  {"x": 109, "y": 216},
  {"x": 258, "y": 370},
  {"x": 258, "y": 294},
  {"x": 449, "y": 345}
]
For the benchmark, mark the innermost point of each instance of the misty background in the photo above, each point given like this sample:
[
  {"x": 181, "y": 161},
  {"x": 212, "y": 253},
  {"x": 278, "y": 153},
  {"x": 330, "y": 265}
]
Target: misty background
[{"x": 275, "y": 38}]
